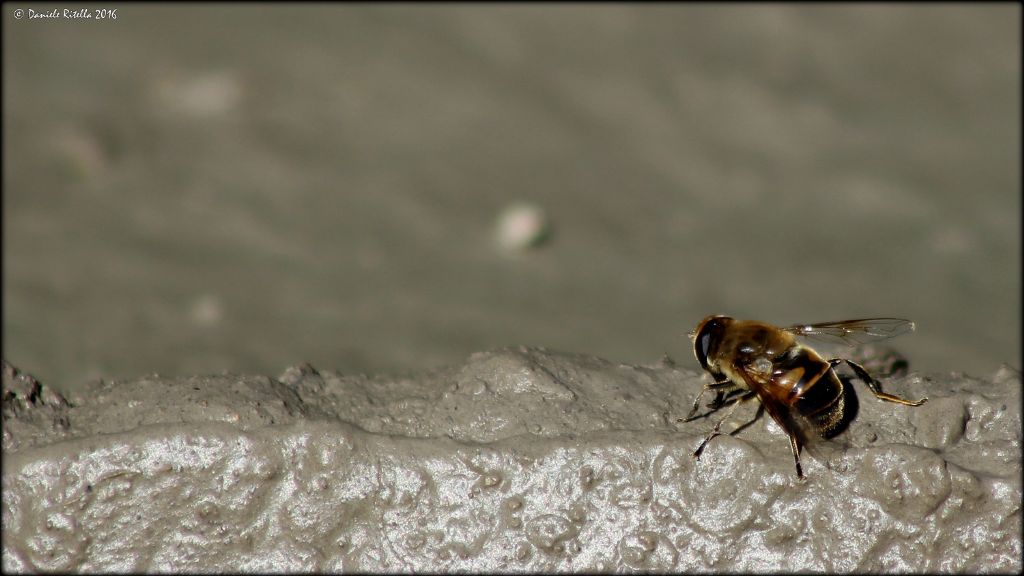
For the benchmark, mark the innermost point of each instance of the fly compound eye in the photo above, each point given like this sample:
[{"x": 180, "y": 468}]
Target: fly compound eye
[
  {"x": 703, "y": 345},
  {"x": 706, "y": 338}
]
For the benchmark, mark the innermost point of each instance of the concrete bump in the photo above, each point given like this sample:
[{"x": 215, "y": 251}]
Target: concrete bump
[{"x": 518, "y": 460}]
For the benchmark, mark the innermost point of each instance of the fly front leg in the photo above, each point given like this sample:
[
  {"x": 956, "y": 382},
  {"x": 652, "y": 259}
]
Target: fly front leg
[
  {"x": 724, "y": 398},
  {"x": 720, "y": 388},
  {"x": 716, "y": 431},
  {"x": 874, "y": 385}
]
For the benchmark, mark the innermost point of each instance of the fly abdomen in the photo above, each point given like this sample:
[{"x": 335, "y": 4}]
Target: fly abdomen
[
  {"x": 822, "y": 402},
  {"x": 817, "y": 394}
]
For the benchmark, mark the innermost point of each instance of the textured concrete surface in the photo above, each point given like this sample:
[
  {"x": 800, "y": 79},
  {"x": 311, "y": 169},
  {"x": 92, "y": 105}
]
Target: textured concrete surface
[{"x": 517, "y": 460}]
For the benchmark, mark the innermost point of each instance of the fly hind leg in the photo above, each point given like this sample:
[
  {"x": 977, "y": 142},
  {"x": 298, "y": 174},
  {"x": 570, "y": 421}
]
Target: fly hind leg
[{"x": 874, "y": 385}]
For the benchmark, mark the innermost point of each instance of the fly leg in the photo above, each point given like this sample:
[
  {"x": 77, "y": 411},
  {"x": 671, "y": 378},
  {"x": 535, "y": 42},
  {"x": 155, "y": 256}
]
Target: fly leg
[
  {"x": 720, "y": 389},
  {"x": 874, "y": 385},
  {"x": 779, "y": 413},
  {"x": 717, "y": 430},
  {"x": 724, "y": 398},
  {"x": 760, "y": 410},
  {"x": 696, "y": 405},
  {"x": 794, "y": 444}
]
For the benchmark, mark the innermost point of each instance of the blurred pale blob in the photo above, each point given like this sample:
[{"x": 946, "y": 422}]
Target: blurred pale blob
[
  {"x": 207, "y": 311},
  {"x": 205, "y": 94},
  {"x": 522, "y": 226}
]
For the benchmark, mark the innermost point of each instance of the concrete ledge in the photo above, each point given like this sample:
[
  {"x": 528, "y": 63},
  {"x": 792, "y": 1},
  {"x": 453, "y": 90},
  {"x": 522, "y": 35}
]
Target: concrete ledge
[{"x": 518, "y": 460}]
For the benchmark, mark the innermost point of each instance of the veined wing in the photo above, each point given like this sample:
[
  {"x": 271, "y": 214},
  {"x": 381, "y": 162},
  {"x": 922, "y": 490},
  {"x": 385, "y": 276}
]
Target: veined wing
[{"x": 854, "y": 332}]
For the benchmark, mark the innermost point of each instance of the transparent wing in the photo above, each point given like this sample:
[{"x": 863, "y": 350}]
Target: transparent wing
[{"x": 854, "y": 332}]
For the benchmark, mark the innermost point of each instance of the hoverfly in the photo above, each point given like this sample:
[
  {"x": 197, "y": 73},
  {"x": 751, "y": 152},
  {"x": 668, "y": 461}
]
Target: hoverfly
[{"x": 796, "y": 386}]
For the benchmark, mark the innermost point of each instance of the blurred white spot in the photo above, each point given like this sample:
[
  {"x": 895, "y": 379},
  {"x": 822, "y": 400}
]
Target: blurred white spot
[
  {"x": 521, "y": 226},
  {"x": 207, "y": 94},
  {"x": 207, "y": 311}
]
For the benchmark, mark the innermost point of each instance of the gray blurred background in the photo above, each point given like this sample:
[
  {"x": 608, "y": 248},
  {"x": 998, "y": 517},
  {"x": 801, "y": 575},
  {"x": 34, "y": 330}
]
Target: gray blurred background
[{"x": 193, "y": 189}]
